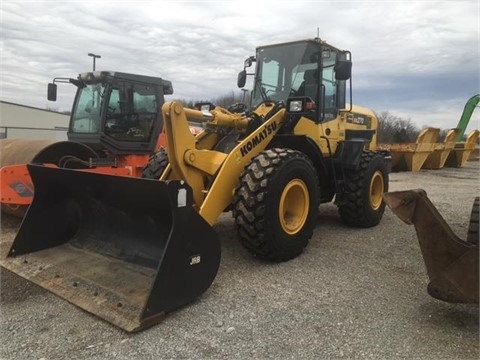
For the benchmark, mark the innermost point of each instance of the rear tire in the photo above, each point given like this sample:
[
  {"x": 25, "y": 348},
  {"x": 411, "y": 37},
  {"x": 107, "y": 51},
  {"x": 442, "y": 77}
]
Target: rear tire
[
  {"x": 156, "y": 165},
  {"x": 275, "y": 204},
  {"x": 361, "y": 204}
]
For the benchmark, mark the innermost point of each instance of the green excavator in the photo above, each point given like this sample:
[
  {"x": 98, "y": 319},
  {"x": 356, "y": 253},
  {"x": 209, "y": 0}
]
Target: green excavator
[{"x": 470, "y": 106}]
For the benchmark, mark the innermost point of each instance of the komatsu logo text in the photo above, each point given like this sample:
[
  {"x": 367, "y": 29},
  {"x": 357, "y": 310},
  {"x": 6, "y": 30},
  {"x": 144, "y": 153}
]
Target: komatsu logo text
[{"x": 257, "y": 139}]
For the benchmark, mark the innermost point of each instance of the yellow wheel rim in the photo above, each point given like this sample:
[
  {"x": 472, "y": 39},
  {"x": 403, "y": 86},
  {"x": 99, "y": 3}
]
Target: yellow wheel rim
[
  {"x": 294, "y": 205},
  {"x": 376, "y": 190}
]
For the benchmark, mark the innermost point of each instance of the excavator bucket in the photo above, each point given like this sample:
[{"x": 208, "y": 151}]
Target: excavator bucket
[
  {"x": 125, "y": 249},
  {"x": 452, "y": 263}
]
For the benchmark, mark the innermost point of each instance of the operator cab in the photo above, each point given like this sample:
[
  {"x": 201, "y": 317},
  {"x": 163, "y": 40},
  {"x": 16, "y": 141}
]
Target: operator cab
[
  {"x": 311, "y": 73},
  {"x": 116, "y": 111}
]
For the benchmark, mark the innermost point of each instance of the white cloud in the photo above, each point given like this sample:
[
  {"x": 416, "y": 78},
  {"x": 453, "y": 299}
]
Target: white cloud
[{"x": 409, "y": 56}]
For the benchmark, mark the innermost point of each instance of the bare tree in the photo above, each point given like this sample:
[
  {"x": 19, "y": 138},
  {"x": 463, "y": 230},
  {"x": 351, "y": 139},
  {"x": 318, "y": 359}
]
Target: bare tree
[
  {"x": 224, "y": 101},
  {"x": 229, "y": 99},
  {"x": 394, "y": 129}
]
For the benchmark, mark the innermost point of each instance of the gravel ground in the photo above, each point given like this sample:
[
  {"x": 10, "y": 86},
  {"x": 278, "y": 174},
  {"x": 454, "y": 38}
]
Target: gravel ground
[{"x": 354, "y": 293}]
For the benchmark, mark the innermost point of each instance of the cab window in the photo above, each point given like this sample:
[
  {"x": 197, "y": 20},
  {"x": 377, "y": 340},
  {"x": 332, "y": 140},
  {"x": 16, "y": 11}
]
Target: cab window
[
  {"x": 86, "y": 116},
  {"x": 330, "y": 84},
  {"x": 131, "y": 113}
]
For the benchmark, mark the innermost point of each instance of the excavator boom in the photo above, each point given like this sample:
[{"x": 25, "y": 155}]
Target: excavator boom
[{"x": 466, "y": 115}]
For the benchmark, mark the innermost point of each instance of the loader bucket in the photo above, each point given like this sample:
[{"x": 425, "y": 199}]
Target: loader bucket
[
  {"x": 128, "y": 250},
  {"x": 452, "y": 263}
]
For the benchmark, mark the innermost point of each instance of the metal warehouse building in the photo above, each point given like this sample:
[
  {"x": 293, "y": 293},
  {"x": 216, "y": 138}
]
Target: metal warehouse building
[{"x": 26, "y": 122}]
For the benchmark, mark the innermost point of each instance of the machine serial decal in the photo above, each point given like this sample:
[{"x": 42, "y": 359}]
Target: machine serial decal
[
  {"x": 257, "y": 139},
  {"x": 359, "y": 119},
  {"x": 194, "y": 260}
]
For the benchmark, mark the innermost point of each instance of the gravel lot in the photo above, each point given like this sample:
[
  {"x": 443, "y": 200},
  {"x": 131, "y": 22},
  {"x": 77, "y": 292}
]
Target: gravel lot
[{"x": 354, "y": 293}]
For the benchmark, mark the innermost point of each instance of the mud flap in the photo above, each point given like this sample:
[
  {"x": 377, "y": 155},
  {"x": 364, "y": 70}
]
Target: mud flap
[{"x": 128, "y": 250}]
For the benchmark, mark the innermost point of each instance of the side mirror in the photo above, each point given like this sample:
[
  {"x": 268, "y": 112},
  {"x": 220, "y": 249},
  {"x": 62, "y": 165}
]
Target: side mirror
[
  {"x": 52, "y": 92},
  {"x": 242, "y": 78},
  {"x": 343, "y": 69}
]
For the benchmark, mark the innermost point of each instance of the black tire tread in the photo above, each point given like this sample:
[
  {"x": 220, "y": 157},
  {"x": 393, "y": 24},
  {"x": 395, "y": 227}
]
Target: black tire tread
[
  {"x": 472, "y": 235},
  {"x": 249, "y": 203},
  {"x": 352, "y": 205},
  {"x": 156, "y": 165}
]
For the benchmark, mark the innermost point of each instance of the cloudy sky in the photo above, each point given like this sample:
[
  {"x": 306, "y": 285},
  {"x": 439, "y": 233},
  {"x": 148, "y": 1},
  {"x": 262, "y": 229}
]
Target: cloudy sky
[{"x": 415, "y": 59}]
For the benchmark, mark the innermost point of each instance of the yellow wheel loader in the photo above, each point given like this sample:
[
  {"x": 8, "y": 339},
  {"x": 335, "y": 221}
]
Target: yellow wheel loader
[{"x": 130, "y": 250}]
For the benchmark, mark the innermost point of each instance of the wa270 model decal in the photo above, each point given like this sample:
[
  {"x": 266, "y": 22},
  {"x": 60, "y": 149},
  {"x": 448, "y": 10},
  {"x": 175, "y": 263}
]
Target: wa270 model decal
[{"x": 359, "y": 119}]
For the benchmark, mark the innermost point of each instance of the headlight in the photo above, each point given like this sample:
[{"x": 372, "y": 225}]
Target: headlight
[
  {"x": 300, "y": 105},
  {"x": 295, "y": 106}
]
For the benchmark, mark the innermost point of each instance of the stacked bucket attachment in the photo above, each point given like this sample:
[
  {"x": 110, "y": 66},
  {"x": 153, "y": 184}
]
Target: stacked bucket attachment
[
  {"x": 452, "y": 263},
  {"x": 412, "y": 156},
  {"x": 125, "y": 249},
  {"x": 460, "y": 154}
]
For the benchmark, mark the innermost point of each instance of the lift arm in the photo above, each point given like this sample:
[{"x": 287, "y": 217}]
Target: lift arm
[
  {"x": 190, "y": 164},
  {"x": 211, "y": 174}
]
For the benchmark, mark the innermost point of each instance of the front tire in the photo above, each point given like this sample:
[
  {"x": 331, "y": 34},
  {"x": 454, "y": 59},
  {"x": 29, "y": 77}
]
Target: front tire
[
  {"x": 361, "y": 204},
  {"x": 275, "y": 204},
  {"x": 156, "y": 165}
]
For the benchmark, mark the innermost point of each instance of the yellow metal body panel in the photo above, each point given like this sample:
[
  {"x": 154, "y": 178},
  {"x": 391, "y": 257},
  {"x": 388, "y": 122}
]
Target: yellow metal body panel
[
  {"x": 333, "y": 131},
  {"x": 211, "y": 174},
  {"x": 208, "y": 161},
  {"x": 179, "y": 140},
  {"x": 220, "y": 194}
]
